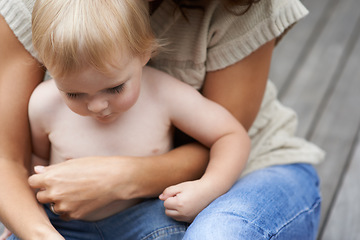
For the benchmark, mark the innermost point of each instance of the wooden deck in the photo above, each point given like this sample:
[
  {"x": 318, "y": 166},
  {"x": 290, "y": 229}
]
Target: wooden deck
[{"x": 317, "y": 70}]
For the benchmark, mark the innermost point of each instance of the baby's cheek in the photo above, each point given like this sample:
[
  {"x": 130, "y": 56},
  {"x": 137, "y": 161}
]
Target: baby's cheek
[
  {"x": 127, "y": 101},
  {"x": 80, "y": 109}
]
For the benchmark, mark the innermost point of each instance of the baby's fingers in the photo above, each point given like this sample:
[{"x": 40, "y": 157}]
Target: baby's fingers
[
  {"x": 172, "y": 203},
  {"x": 175, "y": 210},
  {"x": 169, "y": 192},
  {"x": 174, "y": 214}
]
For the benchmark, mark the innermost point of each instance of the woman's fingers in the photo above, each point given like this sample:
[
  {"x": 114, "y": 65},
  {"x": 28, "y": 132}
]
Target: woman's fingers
[
  {"x": 5, "y": 234},
  {"x": 35, "y": 181},
  {"x": 77, "y": 187}
]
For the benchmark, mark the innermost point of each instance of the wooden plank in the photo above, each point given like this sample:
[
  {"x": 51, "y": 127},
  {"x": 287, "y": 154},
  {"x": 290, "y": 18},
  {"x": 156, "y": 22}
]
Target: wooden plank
[
  {"x": 345, "y": 216},
  {"x": 337, "y": 127},
  {"x": 311, "y": 91},
  {"x": 314, "y": 77},
  {"x": 298, "y": 42}
]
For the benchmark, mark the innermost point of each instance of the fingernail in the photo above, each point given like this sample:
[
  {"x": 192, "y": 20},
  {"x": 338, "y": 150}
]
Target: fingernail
[{"x": 39, "y": 169}]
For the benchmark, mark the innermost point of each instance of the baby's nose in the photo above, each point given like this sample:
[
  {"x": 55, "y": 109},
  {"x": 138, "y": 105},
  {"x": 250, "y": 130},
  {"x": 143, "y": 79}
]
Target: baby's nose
[{"x": 97, "y": 105}]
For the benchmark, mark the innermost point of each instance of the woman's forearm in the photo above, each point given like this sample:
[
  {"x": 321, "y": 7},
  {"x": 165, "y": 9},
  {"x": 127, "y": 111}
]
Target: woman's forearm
[
  {"x": 115, "y": 178},
  {"x": 19, "y": 74},
  {"x": 20, "y": 212},
  {"x": 152, "y": 175}
]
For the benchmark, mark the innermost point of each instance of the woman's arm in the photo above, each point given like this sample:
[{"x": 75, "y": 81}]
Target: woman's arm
[
  {"x": 241, "y": 86},
  {"x": 19, "y": 74},
  {"x": 115, "y": 178}
]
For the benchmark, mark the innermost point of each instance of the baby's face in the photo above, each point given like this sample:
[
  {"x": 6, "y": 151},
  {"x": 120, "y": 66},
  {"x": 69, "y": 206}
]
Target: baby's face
[{"x": 103, "y": 96}]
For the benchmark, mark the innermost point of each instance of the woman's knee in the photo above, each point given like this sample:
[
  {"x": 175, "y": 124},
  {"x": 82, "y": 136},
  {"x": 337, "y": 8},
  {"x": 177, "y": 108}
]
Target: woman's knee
[
  {"x": 304, "y": 226},
  {"x": 223, "y": 226},
  {"x": 229, "y": 226},
  {"x": 268, "y": 204}
]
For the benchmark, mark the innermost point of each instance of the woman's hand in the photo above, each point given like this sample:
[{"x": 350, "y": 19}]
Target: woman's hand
[
  {"x": 5, "y": 234},
  {"x": 80, "y": 186}
]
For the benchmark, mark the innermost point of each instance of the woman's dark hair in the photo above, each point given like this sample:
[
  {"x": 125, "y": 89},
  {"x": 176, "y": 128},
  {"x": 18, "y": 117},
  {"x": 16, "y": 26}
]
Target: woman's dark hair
[{"x": 229, "y": 4}]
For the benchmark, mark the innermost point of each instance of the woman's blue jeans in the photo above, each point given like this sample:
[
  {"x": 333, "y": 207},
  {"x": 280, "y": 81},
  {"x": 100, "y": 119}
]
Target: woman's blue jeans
[{"x": 279, "y": 202}]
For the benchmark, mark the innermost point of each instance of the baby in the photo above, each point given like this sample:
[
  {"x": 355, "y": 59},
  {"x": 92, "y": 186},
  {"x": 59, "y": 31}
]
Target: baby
[{"x": 105, "y": 101}]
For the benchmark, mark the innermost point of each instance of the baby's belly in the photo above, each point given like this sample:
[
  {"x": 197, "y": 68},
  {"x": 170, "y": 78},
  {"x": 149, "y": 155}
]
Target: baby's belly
[{"x": 111, "y": 209}]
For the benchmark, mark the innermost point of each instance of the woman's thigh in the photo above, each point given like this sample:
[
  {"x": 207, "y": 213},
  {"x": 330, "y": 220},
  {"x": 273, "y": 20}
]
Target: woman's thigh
[
  {"x": 145, "y": 221},
  {"x": 279, "y": 202}
]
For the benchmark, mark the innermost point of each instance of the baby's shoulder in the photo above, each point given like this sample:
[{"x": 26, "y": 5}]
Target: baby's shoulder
[
  {"x": 45, "y": 98},
  {"x": 157, "y": 77},
  {"x": 163, "y": 84}
]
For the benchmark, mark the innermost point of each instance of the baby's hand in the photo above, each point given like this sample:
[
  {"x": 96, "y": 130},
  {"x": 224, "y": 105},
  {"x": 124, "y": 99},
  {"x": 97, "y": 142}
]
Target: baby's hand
[{"x": 184, "y": 201}]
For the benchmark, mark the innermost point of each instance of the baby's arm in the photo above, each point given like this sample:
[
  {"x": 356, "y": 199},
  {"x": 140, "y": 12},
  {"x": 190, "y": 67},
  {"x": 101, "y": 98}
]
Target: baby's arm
[
  {"x": 41, "y": 110},
  {"x": 216, "y": 128}
]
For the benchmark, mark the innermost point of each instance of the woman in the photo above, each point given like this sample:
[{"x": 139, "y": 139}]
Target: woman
[{"x": 225, "y": 51}]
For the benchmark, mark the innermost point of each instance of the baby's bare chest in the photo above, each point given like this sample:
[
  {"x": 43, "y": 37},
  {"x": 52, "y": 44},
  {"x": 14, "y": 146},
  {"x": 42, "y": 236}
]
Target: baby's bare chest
[{"x": 149, "y": 133}]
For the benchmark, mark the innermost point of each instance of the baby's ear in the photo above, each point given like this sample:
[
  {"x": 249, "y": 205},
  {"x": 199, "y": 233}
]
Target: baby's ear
[{"x": 145, "y": 58}]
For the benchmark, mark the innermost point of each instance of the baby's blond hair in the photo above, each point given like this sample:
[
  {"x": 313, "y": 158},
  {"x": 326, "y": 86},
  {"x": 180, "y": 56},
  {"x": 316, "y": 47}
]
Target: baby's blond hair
[{"x": 72, "y": 34}]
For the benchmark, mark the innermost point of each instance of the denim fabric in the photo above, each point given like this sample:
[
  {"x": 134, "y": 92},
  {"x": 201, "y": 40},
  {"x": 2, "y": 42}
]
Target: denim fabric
[
  {"x": 145, "y": 221},
  {"x": 279, "y": 202}
]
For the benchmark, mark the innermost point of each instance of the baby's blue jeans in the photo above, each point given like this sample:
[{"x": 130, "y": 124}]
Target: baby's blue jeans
[{"x": 279, "y": 202}]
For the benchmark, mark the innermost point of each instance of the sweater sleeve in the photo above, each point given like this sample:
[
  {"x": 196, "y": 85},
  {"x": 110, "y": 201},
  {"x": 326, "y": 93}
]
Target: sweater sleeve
[
  {"x": 17, "y": 14},
  {"x": 233, "y": 37}
]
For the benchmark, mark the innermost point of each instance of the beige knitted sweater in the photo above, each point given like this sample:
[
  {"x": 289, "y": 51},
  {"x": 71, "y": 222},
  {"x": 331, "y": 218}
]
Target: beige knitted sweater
[{"x": 209, "y": 39}]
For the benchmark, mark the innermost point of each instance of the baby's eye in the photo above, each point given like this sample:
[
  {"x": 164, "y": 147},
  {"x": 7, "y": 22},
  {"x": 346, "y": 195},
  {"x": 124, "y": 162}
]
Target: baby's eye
[
  {"x": 72, "y": 95},
  {"x": 116, "y": 89}
]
